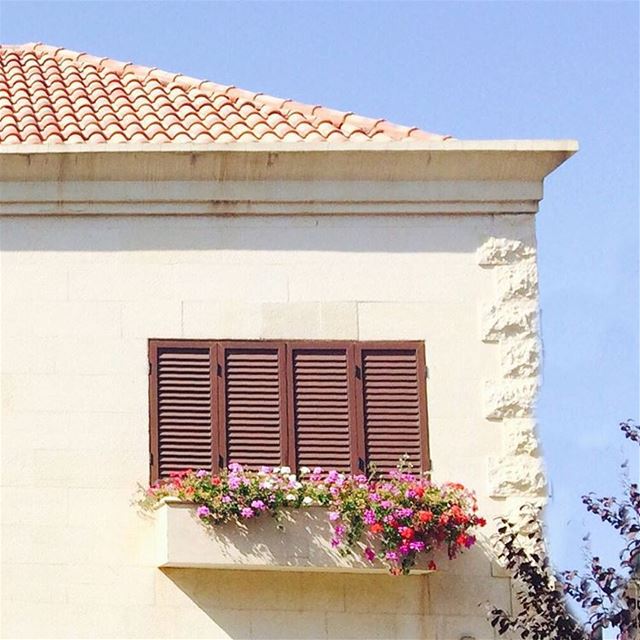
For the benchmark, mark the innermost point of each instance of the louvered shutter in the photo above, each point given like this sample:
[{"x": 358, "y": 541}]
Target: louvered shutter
[
  {"x": 253, "y": 402},
  {"x": 394, "y": 406},
  {"x": 182, "y": 408},
  {"x": 322, "y": 406}
]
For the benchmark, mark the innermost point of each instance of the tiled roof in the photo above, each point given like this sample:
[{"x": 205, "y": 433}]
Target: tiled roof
[{"x": 53, "y": 95}]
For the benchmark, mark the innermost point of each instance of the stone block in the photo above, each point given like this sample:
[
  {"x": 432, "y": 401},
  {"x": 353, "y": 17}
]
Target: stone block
[
  {"x": 514, "y": 319},
  {"x": 31, "y": 506},
  {"x": 27, "y": 355},
  {"x": 517, "y": 282},
  {"x": 386, "y": 594},
  {"x": 501, "y": 251},
  {"x": 310, "y": 320},
  {"x": 510, "y": 398},
  {"x": 121, "y": 281},
  {"x": 53, "y": 319},
  {"x": 81, "y": 355},
  {"x": 235, "y": 282},
  {"x": 520, "y": 357},
  {"x": 33, "y": 282},
  {"x": 454, "y": 595},
  {"x": 221, "y": 319},
  {"x": 519, "y": 437},
  {"x": 106, "y": 584},
  {"x": 152, "y": 319},
  {"x": 516, "y": 475},
  {"x": 350, "y": 280},
  {"x": 361, "y": 626},
  {"x": 31, "y": 584},
  {"x": 283, "y": 625}
]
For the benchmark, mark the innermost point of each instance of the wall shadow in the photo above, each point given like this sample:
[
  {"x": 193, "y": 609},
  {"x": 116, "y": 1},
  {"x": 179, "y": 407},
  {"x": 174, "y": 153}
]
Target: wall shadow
[{"x": 275, "y": 233}]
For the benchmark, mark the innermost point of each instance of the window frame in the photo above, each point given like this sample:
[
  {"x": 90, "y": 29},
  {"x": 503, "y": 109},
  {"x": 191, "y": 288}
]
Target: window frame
[{"x": 354, "y": 350}]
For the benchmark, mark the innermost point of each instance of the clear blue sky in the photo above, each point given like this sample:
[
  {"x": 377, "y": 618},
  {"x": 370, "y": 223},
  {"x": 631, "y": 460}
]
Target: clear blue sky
[{"x": 474, "y": 70}]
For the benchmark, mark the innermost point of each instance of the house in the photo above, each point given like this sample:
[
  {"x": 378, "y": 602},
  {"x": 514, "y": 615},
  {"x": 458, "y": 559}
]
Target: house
[{"x": 148, "y": 219}]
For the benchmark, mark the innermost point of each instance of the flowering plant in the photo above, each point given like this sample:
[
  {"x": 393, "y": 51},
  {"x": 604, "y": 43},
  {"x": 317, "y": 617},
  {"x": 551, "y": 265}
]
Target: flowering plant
[{"x": 396, "y": 519}]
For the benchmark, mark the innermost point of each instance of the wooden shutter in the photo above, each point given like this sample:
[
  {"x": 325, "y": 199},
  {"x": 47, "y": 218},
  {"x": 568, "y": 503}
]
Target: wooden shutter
[
  {"x": 394, "y": 417},
  {"x": 182, "y": 407},
  {"x": 253, "y": 403},
  {"x": 322, "y": 406}
]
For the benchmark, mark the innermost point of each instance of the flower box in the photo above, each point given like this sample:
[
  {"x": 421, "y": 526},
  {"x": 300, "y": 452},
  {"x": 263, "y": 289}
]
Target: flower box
[{"x": 300, "y": 542}]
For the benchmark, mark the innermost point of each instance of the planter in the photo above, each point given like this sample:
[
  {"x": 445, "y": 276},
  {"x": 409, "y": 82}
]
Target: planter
[{"x": 302, "y": 542}]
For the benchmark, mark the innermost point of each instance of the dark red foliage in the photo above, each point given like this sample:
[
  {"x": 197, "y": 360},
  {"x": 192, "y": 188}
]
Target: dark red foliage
[{"x": 609, "y": 596}]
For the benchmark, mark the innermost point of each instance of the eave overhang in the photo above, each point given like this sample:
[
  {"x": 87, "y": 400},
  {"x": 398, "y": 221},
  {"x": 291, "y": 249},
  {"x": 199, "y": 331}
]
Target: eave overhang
[{"x": 392, "y": 178}]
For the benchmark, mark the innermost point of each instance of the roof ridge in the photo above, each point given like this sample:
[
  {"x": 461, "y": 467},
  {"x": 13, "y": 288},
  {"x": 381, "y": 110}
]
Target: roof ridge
[{"x": 286, "y": 107}]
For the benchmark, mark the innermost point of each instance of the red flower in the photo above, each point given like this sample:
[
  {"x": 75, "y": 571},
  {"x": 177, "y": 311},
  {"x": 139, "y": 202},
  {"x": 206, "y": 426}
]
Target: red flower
[
  {"x": 443, "y": 519},
  {"x": 376, "y": 528},
  {"x": 215, "y": 481},
  {"x": 425, "y": 516},
  {"x": 418, "y": 490},
  {"x": 481, "y": 522},
  {"x": 432, "y": 566},
  {"x": 458, "y": 515},
  {"x": 406, "y": 532}
]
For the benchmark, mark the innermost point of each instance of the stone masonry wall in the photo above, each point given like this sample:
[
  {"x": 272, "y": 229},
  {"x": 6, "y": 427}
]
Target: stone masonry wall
[{"x": 82, "y": 296}]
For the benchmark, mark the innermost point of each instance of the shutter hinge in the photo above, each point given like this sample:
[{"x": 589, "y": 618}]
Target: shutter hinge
[
  {"x": 358, "y": 372},
  {"x": 150, "y": 367},
  {"x": 150, "y": 458},
  {"x": 361, "y": 466},
  {"x": 219, "y": 370},
  {"x": 221, "y": 462},
  {"x": 426, "y": 372}
]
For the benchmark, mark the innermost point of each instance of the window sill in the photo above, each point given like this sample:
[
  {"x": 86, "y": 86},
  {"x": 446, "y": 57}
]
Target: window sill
[{"x": 303, "y": 545}]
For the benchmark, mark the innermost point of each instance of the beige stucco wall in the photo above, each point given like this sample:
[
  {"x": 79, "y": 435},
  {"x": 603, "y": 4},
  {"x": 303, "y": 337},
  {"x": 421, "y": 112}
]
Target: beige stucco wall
[{"x": 80, "y": 298}]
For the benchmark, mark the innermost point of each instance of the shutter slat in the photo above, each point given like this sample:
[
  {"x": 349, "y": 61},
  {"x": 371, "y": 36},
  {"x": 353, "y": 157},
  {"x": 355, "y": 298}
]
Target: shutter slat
[
  {"x": 393, "y": 415},
  {"x": 183, "y": 409},
  {"x": 322, "y": 407},
  {"x": 254, "y": 406}
]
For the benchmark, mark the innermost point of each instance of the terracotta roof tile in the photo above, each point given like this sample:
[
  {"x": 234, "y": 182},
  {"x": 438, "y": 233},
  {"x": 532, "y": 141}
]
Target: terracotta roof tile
[{"x": 53, "y": 95}]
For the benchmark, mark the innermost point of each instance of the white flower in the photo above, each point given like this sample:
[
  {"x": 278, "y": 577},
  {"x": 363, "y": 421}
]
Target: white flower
[
  {"x": 307, "y": 501},
  {"x": 297, "y": 485},
  {"x": 291, "y": 497},
  {"x": 292, "y": 477},
  {"x": 284, "y": 470},
  {"x": 305, "y": 470}
]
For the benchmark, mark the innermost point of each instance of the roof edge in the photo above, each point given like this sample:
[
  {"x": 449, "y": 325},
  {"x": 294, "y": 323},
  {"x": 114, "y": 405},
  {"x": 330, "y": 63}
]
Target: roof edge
[
  {"x": 452, "y": 160},
  {"x": 568, "y": 146}
]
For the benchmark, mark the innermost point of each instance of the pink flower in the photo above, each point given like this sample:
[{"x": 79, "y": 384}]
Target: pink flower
[
  {"x": 318, "y": 471},
  {"x": 203, "y": 512},
  {"x": 227, "y": 499},
  {"x": 335, "y": 542},
  {"x": 369, "y": 516},
  {"x": 369, "y": 554},
  {"x": 258, "y": 505},
  {"x": 235, "y": 467},
  {"x": 234, "y": 482},
  {"x": 201, "y": 473},
  {"x": 332, "y": 476},
  {"x": 247, "y": 512},
  {"x": 416, "y": 545},
  {"x": 391, "y": 555},
  {"x": 333, "y": 516}
]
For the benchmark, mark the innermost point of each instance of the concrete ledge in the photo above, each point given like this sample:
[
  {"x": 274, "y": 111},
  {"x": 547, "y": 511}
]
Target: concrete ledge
[{"x": 302, "y": 544}]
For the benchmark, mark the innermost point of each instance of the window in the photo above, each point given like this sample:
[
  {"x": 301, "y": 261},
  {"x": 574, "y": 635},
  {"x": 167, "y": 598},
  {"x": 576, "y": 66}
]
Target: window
[{"x": 351, "y": 406}]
